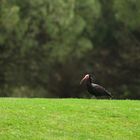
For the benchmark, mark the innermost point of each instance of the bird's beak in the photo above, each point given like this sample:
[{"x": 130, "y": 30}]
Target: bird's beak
[
  {"x": 82, "y": 81},
  {"x": 85, "y": 78}
]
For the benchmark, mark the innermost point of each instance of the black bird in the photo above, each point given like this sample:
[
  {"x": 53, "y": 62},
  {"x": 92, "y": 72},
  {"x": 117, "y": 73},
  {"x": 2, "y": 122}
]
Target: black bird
[{"x": 94, "y": 89}]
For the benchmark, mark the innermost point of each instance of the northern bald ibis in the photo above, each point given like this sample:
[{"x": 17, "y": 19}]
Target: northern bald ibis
[{"x": 94, "y": 89}]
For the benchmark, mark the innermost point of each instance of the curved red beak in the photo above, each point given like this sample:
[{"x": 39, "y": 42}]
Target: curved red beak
[{"x": 84, "y": 79}]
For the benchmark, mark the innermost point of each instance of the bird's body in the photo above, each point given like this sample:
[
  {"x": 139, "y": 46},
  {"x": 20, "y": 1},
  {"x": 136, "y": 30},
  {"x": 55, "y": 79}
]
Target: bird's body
[{"x": 95, "y": 89}]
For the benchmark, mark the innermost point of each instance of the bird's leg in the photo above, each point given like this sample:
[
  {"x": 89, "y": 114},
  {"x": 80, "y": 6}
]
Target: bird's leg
[{"x": 93, "y": 97}]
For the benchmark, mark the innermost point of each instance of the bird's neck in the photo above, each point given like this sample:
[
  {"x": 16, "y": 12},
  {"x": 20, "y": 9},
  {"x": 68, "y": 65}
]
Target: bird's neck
[{"x": 89, "y": 82}]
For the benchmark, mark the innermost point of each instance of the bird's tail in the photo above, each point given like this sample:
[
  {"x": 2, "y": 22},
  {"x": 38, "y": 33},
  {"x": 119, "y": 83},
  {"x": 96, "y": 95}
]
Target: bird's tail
[{"x": 109, "y": 94}]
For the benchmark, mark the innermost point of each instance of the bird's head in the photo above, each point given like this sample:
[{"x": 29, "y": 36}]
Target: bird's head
[{"x": 87, "y": 77}]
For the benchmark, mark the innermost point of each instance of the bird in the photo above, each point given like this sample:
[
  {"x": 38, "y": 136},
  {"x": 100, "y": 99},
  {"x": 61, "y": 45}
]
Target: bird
[{"x": 94, "y": 89}]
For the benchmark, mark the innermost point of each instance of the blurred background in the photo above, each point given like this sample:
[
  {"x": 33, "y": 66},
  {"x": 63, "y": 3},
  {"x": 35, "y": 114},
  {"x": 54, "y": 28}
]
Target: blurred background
[{"x": 47, "y": 46}]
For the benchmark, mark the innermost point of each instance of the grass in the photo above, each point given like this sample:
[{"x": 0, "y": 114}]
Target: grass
[{"x": 69, "y": 119}]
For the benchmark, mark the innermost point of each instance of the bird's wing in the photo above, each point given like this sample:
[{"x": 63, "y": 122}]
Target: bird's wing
[{"x": 101, "y": 89}]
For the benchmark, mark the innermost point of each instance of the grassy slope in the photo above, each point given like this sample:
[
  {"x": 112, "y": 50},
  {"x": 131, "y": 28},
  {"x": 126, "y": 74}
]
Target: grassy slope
[{"x": 69, "y": 119}]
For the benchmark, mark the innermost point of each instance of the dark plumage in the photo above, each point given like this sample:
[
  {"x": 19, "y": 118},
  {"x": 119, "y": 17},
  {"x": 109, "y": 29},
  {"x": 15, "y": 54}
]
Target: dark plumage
[{"x": 94, "y": 89}]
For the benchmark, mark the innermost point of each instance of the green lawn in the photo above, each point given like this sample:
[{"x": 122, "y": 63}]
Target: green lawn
[{"x": 69, "y": 119}]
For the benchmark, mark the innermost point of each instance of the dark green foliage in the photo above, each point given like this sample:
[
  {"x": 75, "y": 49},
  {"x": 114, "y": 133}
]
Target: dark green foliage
[{"x": 47, "y": 46}]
